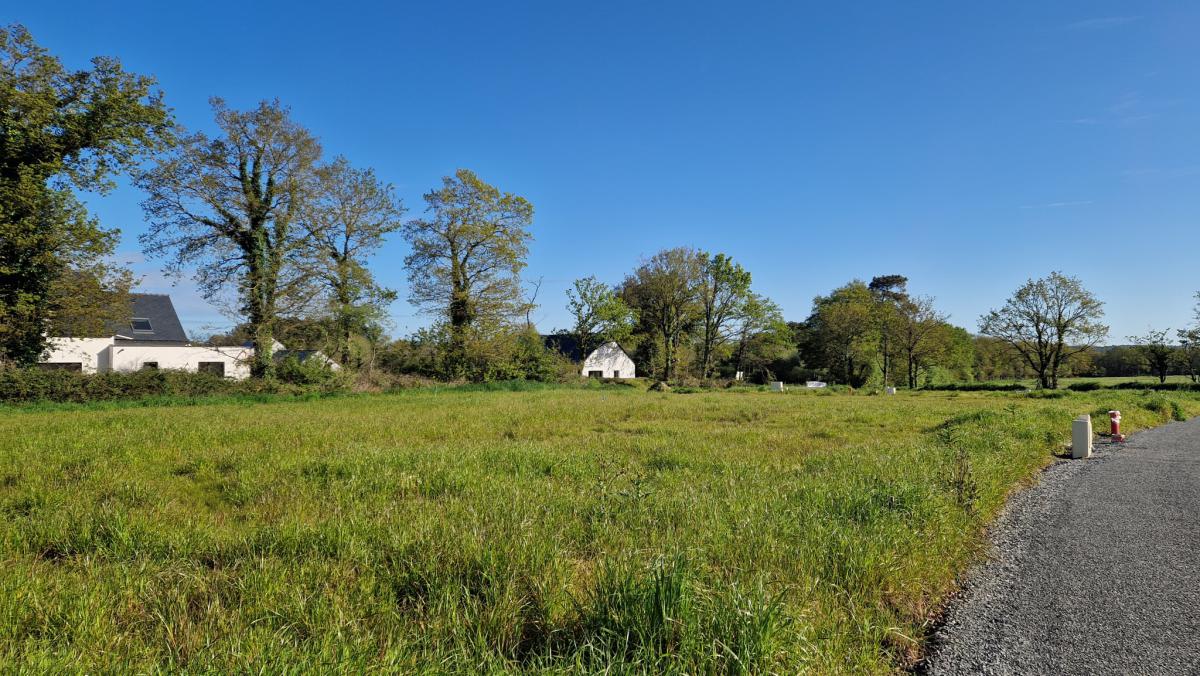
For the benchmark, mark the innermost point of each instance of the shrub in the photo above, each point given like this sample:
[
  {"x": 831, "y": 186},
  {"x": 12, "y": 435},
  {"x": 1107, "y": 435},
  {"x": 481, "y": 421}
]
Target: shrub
[
  {"x": 309, "y": 372},
  {"x": 1165, "y": 407},
  {"x": 499, "y": 355},
  {"x": 1048, "y": 394},
  {"x": 1168, "y": 408},
  {"x": 1087, "y": 386}
]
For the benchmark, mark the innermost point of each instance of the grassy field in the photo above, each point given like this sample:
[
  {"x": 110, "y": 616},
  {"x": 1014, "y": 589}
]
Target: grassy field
[{"x": 549, "y": 530}]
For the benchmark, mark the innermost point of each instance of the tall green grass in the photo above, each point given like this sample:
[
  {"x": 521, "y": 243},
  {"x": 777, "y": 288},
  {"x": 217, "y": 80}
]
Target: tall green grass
[{"x": 547, "y": 530}]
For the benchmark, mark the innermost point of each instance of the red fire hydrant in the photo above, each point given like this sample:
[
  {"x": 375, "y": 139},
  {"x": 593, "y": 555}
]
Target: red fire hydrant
[{"x": 1114, "y": 417}]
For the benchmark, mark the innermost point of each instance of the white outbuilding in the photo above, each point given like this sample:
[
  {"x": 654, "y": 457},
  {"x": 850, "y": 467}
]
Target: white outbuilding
[{"x": 609, "y": 360}]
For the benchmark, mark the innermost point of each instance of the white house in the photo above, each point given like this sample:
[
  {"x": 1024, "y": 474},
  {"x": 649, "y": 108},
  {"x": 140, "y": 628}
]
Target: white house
[
  {"x": 153, "y": 338},
  {"x": 607, "y": 361}
]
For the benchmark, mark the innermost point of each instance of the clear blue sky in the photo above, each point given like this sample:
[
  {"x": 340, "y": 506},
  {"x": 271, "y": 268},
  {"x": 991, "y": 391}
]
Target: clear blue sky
[{"x": 967, "y": 145}]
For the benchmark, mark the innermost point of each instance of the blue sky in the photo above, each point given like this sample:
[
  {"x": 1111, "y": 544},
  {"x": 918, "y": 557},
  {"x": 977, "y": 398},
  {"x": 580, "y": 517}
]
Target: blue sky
[{"x": 966, "y": 145}]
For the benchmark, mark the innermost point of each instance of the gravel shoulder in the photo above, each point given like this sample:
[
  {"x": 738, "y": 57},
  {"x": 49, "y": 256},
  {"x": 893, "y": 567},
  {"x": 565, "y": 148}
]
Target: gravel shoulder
[{"x": 1094, "y": 570}]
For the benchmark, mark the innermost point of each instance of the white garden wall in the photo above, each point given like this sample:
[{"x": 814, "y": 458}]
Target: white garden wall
[
  {"x": 91, "y": 353},
  {"x": 236, "y": 360}
]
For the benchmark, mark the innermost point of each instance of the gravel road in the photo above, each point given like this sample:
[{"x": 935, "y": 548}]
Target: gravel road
[{"x": 1095, "y": 570}]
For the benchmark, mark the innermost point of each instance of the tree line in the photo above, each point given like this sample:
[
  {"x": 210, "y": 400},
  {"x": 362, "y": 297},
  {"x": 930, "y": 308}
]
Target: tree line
[{"x": 282, "y": 234}]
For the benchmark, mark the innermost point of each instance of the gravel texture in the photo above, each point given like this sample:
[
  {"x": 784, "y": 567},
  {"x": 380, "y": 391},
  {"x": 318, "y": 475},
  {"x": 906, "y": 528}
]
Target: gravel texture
[{"x": 1095, "y": 570}]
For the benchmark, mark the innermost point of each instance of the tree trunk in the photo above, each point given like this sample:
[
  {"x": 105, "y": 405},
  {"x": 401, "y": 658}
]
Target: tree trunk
[
  {"x": 887, "y": 360},
  {"x": 668, "y": 356},
  {"x": 741, "y": 355},
  {"x": 259, "y": 309},
  {"x": 344, "y": 327}
]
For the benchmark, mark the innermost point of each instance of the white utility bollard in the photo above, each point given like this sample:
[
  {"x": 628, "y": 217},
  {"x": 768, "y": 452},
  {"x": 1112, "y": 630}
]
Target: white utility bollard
[
  {"x": 1081, "y": 437},
  {"x": 890, "y": 390},
  {"x": 776, "y": 385}
]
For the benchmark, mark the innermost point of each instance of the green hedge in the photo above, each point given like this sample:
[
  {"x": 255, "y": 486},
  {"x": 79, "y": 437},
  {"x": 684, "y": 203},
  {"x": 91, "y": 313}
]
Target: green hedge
[
  {"x": 21, "y": 385},
  {"x": 978, "y": 387},
  {"x": 1158, "y": 387}
]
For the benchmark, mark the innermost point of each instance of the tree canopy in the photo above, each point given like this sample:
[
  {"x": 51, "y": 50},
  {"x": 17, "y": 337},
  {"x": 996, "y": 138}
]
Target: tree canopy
[
  {"x": 230, "y": 206},
  {"x": 600, "y": 315},
  {"x": 61, "y": 131},
  {"x": 467, "y": 256},
  {"x": 346, "y": 221},
  {"x": 665, "y": 292}
]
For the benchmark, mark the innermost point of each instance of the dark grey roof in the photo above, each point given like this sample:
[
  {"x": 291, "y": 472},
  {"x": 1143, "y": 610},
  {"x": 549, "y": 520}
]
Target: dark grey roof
[
  {"x": 564, "y": 344},
  {"x": 160, "y": 312},
  {"x": 567, "y": 345}
]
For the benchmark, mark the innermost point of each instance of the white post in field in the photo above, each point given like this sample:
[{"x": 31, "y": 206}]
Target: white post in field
[
  {"x": 1081, "y": 437},
  {"x": 776, "y": 386}
]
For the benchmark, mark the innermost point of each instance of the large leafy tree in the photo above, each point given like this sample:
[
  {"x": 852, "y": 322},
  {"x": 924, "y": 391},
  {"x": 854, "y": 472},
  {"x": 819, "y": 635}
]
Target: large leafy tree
[
  {"x": 467, "y": 256},
  {"x": 919, "y": 330},
  {"x": 724, "y": 287},
  {"x": 230, "y": 205},
  {"x": 1157, "y": 351},
  {"x": 889, "y": 293},
  {"x": 600, "y": 315},
  {"x": 63, "y": 130},
  {"x": 1188, "y": 355},
  {"x": 665, "y": 292},
  {"x": 346, "y": 221},
  {"x": 762, "y": 336},
  {"x": 1047, "y": 321},
  {"x": 843, "y": 334}
]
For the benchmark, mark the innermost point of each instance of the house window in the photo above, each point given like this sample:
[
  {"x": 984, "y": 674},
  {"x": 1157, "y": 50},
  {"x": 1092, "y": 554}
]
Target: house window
[
  {"x": 141, "y": 325},
  {"x": 216, "y": 368},
  {"x": 595, "y": 374},
  {"x": 616, "y": 374},
  {"x": 61, "y": 366},
  {"x": 149, "y": 366}
]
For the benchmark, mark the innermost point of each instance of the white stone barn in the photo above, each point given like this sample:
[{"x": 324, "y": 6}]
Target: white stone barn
[
  {"x": 607, "y": 361},
  {"x": 153, "y": 338}
]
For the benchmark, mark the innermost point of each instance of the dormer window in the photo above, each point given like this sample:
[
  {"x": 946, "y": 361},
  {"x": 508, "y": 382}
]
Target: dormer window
[{"x": 141, "y": 325}]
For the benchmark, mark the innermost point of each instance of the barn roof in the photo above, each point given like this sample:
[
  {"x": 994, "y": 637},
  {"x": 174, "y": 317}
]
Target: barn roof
[
  {"x": 153, "y": 320},
  {"x": 567, "y": 345},
  {"x": 564, "y": 344}
]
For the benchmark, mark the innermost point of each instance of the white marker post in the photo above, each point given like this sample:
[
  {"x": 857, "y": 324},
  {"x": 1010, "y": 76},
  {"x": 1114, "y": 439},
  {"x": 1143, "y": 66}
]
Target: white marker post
[{"x": 1081, "y": 437}]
